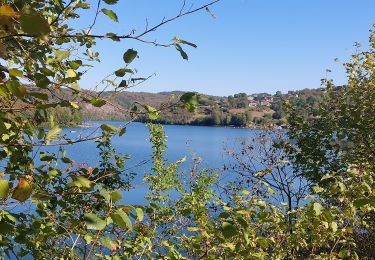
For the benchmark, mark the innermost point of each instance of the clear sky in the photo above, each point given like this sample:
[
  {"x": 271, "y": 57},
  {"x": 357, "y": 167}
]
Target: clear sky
[{"x": 252, "y": 46}]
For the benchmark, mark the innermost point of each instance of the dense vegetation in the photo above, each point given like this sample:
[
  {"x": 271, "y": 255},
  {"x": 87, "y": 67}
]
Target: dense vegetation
[{"x": 305, "y": 193}]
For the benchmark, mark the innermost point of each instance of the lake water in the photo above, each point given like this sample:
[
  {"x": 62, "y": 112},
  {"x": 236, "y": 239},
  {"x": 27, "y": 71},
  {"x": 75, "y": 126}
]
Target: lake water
[{"x": 205, "y": 142}]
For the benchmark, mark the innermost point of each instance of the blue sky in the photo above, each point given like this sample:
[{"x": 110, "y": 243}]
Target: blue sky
[{"x": 252, "y": 46}]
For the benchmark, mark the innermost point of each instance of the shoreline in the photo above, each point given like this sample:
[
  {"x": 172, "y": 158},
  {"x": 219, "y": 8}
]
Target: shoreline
[{"x": 89, "y": 123}]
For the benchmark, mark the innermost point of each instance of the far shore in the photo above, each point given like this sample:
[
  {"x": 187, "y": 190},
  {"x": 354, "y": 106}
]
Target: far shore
[{"x": 91, "y": 123}]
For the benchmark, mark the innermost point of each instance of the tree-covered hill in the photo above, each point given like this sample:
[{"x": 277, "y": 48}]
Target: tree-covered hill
[{"x": 236, "y": 110}]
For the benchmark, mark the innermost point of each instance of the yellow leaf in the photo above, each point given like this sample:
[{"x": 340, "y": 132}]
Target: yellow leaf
[
  {"x": 4, "y": 189},
  {"x": 71, "y": 73},
  {"x": 6, "y": 10}
]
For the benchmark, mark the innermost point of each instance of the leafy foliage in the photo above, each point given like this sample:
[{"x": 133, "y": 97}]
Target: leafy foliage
[{"x": 76, "y": 210}]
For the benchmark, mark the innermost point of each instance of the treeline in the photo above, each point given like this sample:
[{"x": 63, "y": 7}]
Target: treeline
[
  {"x": 211, "y": 117},
  {"x": 237, "y": 110},
  {"x": 62, "y": 116}
]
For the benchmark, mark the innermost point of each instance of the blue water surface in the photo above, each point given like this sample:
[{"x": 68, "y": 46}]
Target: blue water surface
[{"x": 182, "y": 141}]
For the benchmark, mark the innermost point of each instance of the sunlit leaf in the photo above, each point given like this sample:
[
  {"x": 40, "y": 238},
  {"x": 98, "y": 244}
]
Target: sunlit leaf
[
  {"x": 109, "y": 128},
  {"x": 153, "y": 113},
  {"x": 190, "y": 101},
  {"x": 15, "y": 73},
  {"x": 98, "y": 102},
  {"x": 110, "y": 14},
  {"x": 116, "y": 196},
  {"x": 6, "y": 10},
  {"x": 94, "y": 222},
  {"x": 61, "y": 54},
  {"x": 52, "y": 134},
  {"x": 71, "y": 73},
  {"x": 317, "y": 208},
  {"x": 75, "y": 64},
  {"x": 140, "y": 214},
  {"x": 122, "y": 219},
  {"x": 81, "y": 182},
  {"x": 4, "y": 189},
  {"x": 22, "y": 191},
  {"x": 179, "y": 40}
]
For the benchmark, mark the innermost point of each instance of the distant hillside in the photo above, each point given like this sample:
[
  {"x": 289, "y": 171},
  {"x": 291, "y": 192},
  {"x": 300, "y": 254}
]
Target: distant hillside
[
  {"x": 237, "y": 110},
  {"x": 243, "y": 110}
]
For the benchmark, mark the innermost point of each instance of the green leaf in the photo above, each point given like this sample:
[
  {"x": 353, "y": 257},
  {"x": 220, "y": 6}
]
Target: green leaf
[
  {"x": 74, "y": 104},
  {"x": 177, "y": 39},
  {"x": 75, "y": 64},
  {"x": 15, "y": 73},
  {"x": 344, "y": 253},
  {"x": 110, "y": 14},
  {"x": 122, "y": 72},
  {"x": 317, "y": 189},
  {"x": 317, "y": 208},
  {"x": 116, "y": 196},
  {"x": 122, "y": 219},
  {"x": 190, "y": 101},
  {"x": 130, "y": 55},
  {"x": 110, "y": 2},
  {"x": 98, "y": 102},
  {"x": 228, "y": 230},
  {"x": 66, "y": 160},
  {"x": 75, "y": 86},
  {"x": 192, "y": 229},
  {"x": 16, "y": 88},
  {"x": 47, "y": 158},
  {"x": 4, "y": 189},
  {"x": 61, "y": 54},
  {"x": 81, "y": 182},
  {"x": 182, "y": 52},
  {"x": 4, "y": 92},
  {"x": 113, "y": 37},
  {"x": 140, "y": 214},
  {"x": 263, "y": 242},
  {"x": 334, "y": 227},
  {"x": 325, "y": 177},
  {"x": 38, "y": 95},
  {"x": 109, "y": 128},
  {"x": 82, "y": 5},
  {"x": 94, "y": 222},
  {"x": 41, "y": 80},
  {"x": 153, "y": 114},
  {"x": 52, "y": 134},
  {"x": 53, "y": 173},
  {"x": 123, "y": 84},
  {"x": 34, "y": 23},
  {"x": 47, "y": 72},
  {"x": 363, "y": 202}
]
